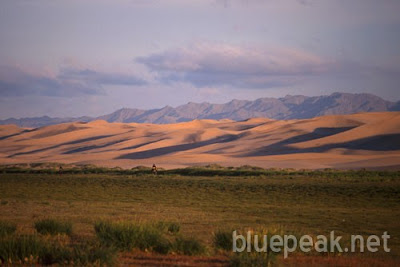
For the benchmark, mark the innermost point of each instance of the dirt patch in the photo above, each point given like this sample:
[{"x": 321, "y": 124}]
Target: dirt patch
[{"x": 139, "y": 258}]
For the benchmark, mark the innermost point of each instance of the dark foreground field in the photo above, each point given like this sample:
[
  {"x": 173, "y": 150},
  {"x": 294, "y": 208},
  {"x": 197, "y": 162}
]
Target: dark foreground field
[{"x": 186, "y": 209}]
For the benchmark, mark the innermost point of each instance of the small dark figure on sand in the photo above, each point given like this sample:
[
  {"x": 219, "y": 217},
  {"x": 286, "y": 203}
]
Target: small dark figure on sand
[
  {"x": 60, "y": 170},
  {"x": 154, "y": 169}
]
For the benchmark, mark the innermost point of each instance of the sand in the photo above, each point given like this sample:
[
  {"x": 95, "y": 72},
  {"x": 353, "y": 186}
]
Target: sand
[{"x": 365, "y": 140}]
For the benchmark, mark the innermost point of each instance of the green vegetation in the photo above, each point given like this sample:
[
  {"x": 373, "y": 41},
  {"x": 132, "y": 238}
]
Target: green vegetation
[
  {"x": 100, "y": 250},
  {"x": 188, "y": 246},
  {"x": 7, "y": 228},
  {"x": 53, "y": 227},
  {"x": 33, "y": 249},
  {"x": 255, "y": 258},
  {"x": 173, "y": 227},
  {"x": 126, "y": 236},
  {"x": 223, "y": 240},
  {"x": 204, "y": 171},
  {"x": 189, "y": 205}
]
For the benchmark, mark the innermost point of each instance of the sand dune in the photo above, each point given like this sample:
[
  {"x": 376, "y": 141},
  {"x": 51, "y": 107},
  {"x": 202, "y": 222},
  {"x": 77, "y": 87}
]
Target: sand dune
[{"x": 365, "y": 140}]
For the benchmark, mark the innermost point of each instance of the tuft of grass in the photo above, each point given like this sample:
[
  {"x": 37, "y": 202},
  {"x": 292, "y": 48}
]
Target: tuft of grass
[
  {"x": 21, "y": 249},
  {"x": 188, "y": 246},
  {"x": 91, "y": 252},
  {"x": 126, "y": 236},
  {"x": 7, "y": 228},
  {"x": 255, "y": 258},
  {"x": 32, "y": 249},
  {"x": 223, "y": 240},
  {"x": 170, "y": 227},
  {"x": 174, "y": 227},
  {"x": 53, "y": 227},
  {"x": 147, "y": 237}
]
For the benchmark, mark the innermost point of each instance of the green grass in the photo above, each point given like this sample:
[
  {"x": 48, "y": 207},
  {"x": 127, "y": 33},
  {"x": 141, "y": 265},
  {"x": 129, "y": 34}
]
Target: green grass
[
  {"x": 154, "y": 237},
  {"x": 309, "y": 202},
  {"x": 53, "y": 227},
  {"x": 30, "y": 249},
  {"x": 174, "y": 227},
  {"x": 33, "y": 249},
  {"x": 93, "y": 253},
  {"x": 205, "y": 171},
  {"x": 7, "y": 228},
  {"x": 188, "y": 246},
  {"x": 126, "y": 236},
  {"x": 21, "y": 249},
  {"x": 223, "y": 240},
  {"x": 170, "y": 227}
]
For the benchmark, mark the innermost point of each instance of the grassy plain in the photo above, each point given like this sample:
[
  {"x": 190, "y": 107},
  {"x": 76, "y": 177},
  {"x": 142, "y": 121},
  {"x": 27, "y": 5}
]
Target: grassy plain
[{"x": 206, "y": 200}]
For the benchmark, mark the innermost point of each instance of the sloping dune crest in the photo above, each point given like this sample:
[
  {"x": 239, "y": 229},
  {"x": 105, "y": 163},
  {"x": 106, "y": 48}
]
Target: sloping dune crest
[{"x": 365, "y": 140}]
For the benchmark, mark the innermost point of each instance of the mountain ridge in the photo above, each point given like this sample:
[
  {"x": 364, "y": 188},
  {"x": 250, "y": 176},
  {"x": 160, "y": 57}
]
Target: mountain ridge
[{"x": 283, "y": 108}]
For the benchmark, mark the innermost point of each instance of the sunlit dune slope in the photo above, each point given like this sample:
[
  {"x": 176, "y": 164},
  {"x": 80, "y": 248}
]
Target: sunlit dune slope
[{"x": 365, "y": 140}]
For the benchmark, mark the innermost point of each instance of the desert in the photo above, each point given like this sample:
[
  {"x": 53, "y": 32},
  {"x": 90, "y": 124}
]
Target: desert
[{"x": 365, "y": 140}]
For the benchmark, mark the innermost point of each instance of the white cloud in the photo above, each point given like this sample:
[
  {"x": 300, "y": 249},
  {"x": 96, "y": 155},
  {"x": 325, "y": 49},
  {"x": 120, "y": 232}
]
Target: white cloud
[
  {"x": 206, "y": 64},
  {"x": 67, "y": 83}
]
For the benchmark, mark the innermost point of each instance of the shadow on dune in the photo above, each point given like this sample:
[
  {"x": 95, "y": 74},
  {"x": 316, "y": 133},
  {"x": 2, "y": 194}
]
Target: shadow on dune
[
  {"x": 70, "y": 128},
  {"x": 177, "y": 148},
  {"x": 87, "y": 148},
  {"x": 143, "y": 144},
  {"x": 87, "y": 139},
  {"x": 387, "y": 142},
  {"x": 59, "y": 145},
  {"x": 16, "y": 134},
  {"x": 281, "y": 147},
  {"x": 244, "y": 127}
]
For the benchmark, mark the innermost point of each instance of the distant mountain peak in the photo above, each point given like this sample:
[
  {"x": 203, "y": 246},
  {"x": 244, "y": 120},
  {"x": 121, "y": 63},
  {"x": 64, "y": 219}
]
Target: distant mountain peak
[{"x": 284, "y": 108}]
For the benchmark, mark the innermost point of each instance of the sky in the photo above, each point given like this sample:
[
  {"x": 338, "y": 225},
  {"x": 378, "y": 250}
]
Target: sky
[{"x": 70, "y": 58}]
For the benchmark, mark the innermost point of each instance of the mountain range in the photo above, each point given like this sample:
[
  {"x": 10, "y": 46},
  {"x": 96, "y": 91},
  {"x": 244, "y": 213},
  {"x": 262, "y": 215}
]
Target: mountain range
[{"x": 288, "y": 107}]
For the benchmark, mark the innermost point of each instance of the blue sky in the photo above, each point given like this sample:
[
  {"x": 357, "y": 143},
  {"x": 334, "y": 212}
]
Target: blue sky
[{"x": 91, "y": 57}]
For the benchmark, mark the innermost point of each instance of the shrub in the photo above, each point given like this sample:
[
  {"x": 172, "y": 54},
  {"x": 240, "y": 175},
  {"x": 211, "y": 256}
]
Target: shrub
[
  {"x": 171, "y": 227},
  {"x": 126, "y": 236},
  {"x": 223, "y": 240},
  {"x": 53, "y": 227},
  {"x": 254, "y": 258},
  {"x": 174, "y": 227},
  {"x": 30, "y": 250},
  {"x": 7, "y": 228},
  {"x": 91, "y": 252},
  {"x": 188, "y": 246},
  {"x": 20, "y": 249}
]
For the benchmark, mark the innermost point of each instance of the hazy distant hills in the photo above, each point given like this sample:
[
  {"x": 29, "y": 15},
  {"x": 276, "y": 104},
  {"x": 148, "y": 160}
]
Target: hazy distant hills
[
  {"x": 36, "y": 122},
  {"x": 288, "y": 107}
]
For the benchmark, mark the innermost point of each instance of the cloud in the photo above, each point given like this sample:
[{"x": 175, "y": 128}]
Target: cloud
[
  {"x": 68, "y": 83},
  {"x": 243, "y": 67},
  {"x": 100, "y": 78}
]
